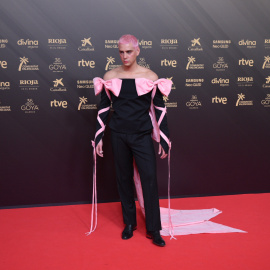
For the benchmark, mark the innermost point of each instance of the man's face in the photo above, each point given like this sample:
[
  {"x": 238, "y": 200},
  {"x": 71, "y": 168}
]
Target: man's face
[{"x": 128, "y": 54}]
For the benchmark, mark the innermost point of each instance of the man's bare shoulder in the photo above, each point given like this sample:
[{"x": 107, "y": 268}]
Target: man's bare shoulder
[
  {"x": 151, "y": 75},
  {"x": 112, "y": 74}
]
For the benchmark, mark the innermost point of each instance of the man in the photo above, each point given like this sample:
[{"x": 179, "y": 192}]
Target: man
[{"x": 130, "y": 89}]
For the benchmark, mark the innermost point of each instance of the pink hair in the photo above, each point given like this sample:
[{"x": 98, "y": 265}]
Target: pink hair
[{"x": 126, "y": 39}]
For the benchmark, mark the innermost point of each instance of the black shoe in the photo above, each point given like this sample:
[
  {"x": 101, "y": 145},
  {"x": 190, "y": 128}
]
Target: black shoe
[
  {"x": 157, "y": 239},
  {"x": 128, "y": 231}
]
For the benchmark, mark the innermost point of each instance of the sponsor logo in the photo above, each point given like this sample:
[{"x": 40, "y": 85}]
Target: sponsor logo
[
  {"x": 56, "y": 103},
  {"x": 31, "y": 44},
  {"x": 169, "y": 44},
  {"x": 195, "y": 45},
  {"x": 221, "y": 44},
  {"x": 244, "y": 81},
  {"x": 58, "y": 86},
  {"x": 266, "y": 63},
  {"x": 191, "y": 65},
  {"x": 3, "y": 64},
  {"x": 246, "y": 62},
  {"x": 24, "y": 66},
  {"x": 194, "y": 82},
  {"x": 57, "y": 66},
  {"x": 110, "y": 65},
  {"x": 220, "y": 65},
  {"x": 4, "y": 108},
  {"x": 84, "y": 106},
  {"x": 241, "y": 102},
  {"x": 218, "y": 100},
  {"x": 86, "y": 63},
  {"x": 57, "y": 43},
  {"x": 169, "y": 104},
  {"x": 85, "y": 84},
  {"x": 30, "y": 106},
  {"x": 221, "y": 82},
  {"x": 144, "y": 44},
  {"x": 143, "y": 63},
  {"x": 29, "y": 84},
  {"x": 86, "y": 45},
  {"x": 4, "y": 85},
  {"x": 3, "y": 43},
  {"x": 193, "y": 103},
  {"x": 267, "y": 82},
  {"x": 111, "y": 44},
  {"x": 173, "y": 85},
  {"x": 168, "y": 63},
  {"x": 251, "y": 44},
  {"x": 267, "y": 43},
  {"x": 266, "y": 102}
]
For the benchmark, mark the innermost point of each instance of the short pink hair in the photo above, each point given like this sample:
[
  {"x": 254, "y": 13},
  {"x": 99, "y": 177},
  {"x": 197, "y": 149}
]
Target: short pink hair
[{"x": 126, "y": 39}]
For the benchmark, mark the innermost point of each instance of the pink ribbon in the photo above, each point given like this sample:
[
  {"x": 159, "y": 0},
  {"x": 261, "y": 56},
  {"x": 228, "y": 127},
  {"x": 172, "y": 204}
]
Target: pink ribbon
[{"x": 114, "y": 85}]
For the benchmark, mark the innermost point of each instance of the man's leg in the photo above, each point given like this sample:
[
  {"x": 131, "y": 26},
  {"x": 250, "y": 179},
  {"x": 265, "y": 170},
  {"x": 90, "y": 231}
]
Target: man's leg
[{"x": 123, "y": 160}]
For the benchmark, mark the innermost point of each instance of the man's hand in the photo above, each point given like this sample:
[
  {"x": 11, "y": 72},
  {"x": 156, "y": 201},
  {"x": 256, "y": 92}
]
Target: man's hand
[
  {"x": 99, "y": 148},
  {"x": 162, "y": 152}
]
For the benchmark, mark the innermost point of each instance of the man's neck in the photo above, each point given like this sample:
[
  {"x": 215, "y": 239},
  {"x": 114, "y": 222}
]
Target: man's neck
[{"x": 130, "y": 69}]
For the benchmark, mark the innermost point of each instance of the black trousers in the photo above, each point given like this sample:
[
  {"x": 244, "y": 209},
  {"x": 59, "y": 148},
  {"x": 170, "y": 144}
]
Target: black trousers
[{"x": 140, "y": 147}]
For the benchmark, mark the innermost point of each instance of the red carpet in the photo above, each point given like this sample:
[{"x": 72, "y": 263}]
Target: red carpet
[{"x": 54, "y": 238}]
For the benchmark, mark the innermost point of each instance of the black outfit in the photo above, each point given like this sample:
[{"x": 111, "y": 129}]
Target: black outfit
[{"x": 131, "y": 138}]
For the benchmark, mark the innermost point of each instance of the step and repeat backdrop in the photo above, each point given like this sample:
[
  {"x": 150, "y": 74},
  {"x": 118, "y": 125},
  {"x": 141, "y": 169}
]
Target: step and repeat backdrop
[{"x": 217, "y": 53}]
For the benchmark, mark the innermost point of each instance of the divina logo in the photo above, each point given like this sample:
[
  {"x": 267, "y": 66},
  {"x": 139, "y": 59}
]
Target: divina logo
[
  {"x": 246, "y": 62},
  {"x": 31, "y": 44},
  {"x": 248, "y": 43},
  {"x": 145, "y": 44},
  {"x": 168, "y": 63},
  {"x": 221, "y": 82},
  {"x": 85, "y": 63},
  {"x": 4, "y": 85},
  {"x": 56, "y": 103}
]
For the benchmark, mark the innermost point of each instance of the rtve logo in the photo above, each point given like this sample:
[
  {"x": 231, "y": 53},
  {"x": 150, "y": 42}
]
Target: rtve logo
[
  {"x": 3, "y": 64},
  {"x": 244, "y": 62},
  {"x": 84, "y": 63},
  {"x": 170, "y": 63},
  {"x": 56, "y": 103},
  {"x": 222, "y": 100}
]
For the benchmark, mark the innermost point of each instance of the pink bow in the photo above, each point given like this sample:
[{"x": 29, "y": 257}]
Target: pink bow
[
  {"x": 144, "y": 86},
  {"x": 114, "y": 85}
]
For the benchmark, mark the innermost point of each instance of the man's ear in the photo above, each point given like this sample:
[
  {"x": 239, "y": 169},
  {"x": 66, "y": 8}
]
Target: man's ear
[{"x": 137, "y": 51}]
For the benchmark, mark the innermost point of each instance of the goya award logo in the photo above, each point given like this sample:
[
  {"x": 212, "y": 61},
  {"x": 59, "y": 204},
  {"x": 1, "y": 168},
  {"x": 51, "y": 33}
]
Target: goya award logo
[
  {"x": 86, "y": 45},
  {"x": 57, "y": 66},
  {"x": 4, "y": 85},
  {"x": 245, "y": 81},
  {"x": 169, "y": 44},
  {"x": 30, "y": 106},
  {"x": 4, "y": 108},
  {"x": 220, "y": 65},
  {"x": 145, "y": 44},
  {"x": 266, "y": 63},
  {"x": 195, "y": 45},
  {"x": 142, "y": 62},
  {"x": 267, "y": 44},
  {"x": 84, "y": 106},
  {"x": 111, "y": 44},
  {"x": 169, "y": 104},
  {"x": 85, "y": 84},
  {"x": 30, "y": 44},
  {"x": 57, "y": 43},
  {"x": 58, "y": 86},
  {"x": 194, "y": 103},
  {"x": 29, "y": 85},
  {"x": 110, "y": 63},
  {"x": 3, "y": 43},
  {"x": 23, "y": 66},
  {"x": 266, "y": 102},
  {"x": 221, "y": 43},
  {"x": 191, "y": 65},
  {"x": 242, "y": 102},
  {"x": 221, "y": 82},
  {"x": 250, "y": 44},
  {"x": 194, "y": 82},
  {"x": 267, "y": 82}
]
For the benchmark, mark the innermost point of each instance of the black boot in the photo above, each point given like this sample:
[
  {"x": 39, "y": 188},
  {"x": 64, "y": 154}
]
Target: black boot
[
  {"x": 128, "y": 231},
  {"x": 157, "y": 239}
]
